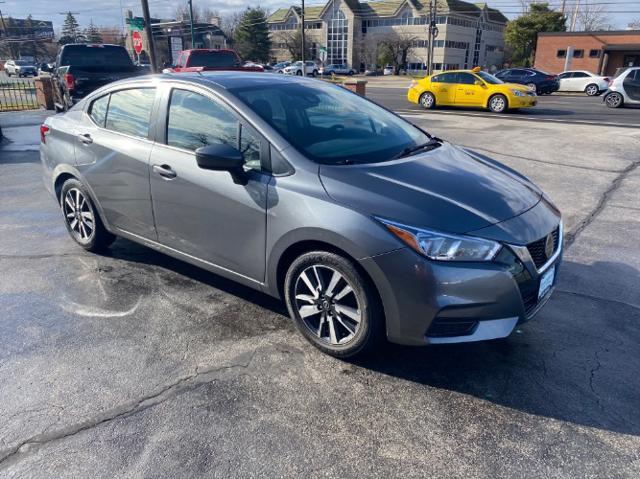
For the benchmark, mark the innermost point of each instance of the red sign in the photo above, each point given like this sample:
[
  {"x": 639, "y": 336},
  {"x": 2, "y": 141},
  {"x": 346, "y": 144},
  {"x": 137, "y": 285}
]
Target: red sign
[{"x": 137, "y": 42}]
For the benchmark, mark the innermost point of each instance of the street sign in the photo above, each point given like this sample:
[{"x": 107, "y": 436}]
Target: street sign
[
  {"x": 136, "y": 23},
  {"x": 137, "y": 41}
]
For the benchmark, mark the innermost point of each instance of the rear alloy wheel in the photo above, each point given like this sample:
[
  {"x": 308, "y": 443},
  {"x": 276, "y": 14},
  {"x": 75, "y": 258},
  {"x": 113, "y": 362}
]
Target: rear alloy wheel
[
  {"x": 332, "y": 305},
  {"x": 427, "y": 101},
  {"x": 592, "y": 90},
  {"x": 533, "y": 87},
  {"x": 613, "y": 100},
  {"x": 498, "y": 104},
  {"x": 299, "y": 73},
  {"x": 82, "y": 221}
]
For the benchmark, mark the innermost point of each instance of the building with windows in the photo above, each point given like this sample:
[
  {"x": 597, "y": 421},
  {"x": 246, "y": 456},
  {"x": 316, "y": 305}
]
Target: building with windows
[
  {"x": 351, "y": 32},
  {"x": 598, "y": 52}
]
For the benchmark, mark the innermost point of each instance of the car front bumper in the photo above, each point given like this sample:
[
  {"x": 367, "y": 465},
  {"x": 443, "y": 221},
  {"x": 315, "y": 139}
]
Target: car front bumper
[
  {"x": 522, "y": 101},
  {"x": 436, "y": 302}
]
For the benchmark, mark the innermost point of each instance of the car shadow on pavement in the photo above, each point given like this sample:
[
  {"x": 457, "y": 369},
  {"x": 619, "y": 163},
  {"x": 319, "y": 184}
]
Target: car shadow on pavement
[{"x": 576, "y": 361}]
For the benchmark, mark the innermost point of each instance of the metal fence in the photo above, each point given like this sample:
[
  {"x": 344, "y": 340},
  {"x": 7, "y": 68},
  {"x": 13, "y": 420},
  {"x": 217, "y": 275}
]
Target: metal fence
[{"x": 17, "y": 93}]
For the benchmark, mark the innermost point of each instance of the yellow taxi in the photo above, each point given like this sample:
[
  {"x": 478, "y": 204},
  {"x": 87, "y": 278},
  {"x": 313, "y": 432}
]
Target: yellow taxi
[{"x": 471, "y": 88}]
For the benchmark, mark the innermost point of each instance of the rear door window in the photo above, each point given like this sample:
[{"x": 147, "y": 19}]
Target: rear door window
[
  {"x": 98, "y": 110},
  {"x": 129, "y": 111}
]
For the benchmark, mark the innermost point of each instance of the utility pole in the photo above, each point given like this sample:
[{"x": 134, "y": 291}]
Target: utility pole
[
  {"x": 562, "y": 7},
  {"x": 193, "y": 42},
  {"x": 575, "y": 16},
  {"x": 432, "y": 31},
  {"x": 304, "y": 70},
  {"x": 4, "y": 27},
  {"x": 150, "y": 44}
]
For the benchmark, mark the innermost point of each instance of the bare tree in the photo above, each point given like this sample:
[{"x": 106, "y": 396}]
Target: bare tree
[
  {"x": 593, "y": 17},
  {"x": 292, "y": 42},
  {"x": 201, "y": 14},
  {"x": 396, "y": 48},
  {"x": 634, "y": 24},
  {"x": 367, "y": 52},
  {"x": 229, "y": 22}
]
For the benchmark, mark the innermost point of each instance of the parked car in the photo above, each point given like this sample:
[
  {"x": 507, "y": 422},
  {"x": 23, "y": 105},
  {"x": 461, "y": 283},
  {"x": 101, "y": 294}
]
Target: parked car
[
  {"x": 82, "y": 68},
  {"x": 624, "y": 89},
  {"x": 279, "y": 67},
  {"x": 336, "y": 69},
  {"x": 388, "y": 70},
  {"x": 582, "y": 80},
  {"x": 470, "y": 88},
  {"x": 20, "y": 68},
  {"x": 310, "y": 68},
  {"x": 202, "y": 59},
  {"x": 364, "y": 224},
  {"x": 46, "y": 68},
  {"x": 539, "y": 81}
]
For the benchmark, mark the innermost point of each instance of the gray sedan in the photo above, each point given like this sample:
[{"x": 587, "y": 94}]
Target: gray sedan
[{"x": 365, "y": 225}]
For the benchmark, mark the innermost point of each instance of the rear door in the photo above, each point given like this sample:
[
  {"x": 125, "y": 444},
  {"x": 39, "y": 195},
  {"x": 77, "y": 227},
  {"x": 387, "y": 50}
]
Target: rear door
[
  {"x": 204, "y": 213},
  {"x": 112, "y": 149},
  {"x": 444, "y": 88}
]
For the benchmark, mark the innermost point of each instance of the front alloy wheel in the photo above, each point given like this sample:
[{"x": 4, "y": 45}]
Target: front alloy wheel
[
  {"x": 498, "y": 103},
  {"x": 427, "y": 100},
  {"x": 613, "y": 100},
  {"x": 332, "y": 305}
]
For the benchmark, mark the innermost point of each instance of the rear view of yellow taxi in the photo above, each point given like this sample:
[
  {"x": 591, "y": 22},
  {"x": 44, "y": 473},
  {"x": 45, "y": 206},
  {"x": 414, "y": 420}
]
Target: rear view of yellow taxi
[{"x": 470, "y": 88}]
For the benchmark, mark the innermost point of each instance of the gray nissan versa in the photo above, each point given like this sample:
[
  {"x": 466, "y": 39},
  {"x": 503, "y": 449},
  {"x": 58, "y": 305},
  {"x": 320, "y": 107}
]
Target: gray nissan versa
[{"x": 364, "y": 224}]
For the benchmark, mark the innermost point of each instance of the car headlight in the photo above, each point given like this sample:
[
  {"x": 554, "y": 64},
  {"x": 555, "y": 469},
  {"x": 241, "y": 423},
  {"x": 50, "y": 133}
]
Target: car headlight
[
  {"x": 440, "y": 246},
  {"x": 516, "y": 92}
]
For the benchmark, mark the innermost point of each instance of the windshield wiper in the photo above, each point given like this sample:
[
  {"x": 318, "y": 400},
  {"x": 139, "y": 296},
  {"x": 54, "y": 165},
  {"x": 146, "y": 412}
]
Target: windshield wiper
[{"x": 433, "y": 143}]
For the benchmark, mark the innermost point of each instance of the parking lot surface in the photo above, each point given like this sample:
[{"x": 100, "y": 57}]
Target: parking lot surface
[{"x": 132, "y": 364}]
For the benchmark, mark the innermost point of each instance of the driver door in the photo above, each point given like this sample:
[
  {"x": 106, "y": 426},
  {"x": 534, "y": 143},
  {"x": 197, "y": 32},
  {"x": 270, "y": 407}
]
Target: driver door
[
  {"x": 208, "y": 214},
  {"x": 631, "y": 85}
]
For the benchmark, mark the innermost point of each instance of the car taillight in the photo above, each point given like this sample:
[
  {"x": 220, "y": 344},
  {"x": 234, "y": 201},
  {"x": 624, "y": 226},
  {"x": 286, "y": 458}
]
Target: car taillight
[
  {"x": 44, "y": 131},
  {"x": 69, "y": 81},
  {"x": 608, "y": 80}
]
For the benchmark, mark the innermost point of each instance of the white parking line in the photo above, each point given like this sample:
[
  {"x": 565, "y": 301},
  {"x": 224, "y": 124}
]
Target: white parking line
[{"x": 417, "y": 114}]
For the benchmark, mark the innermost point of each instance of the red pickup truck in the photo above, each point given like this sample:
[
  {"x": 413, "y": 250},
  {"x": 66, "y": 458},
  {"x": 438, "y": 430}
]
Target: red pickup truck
[{"x": 203, "y": 59}]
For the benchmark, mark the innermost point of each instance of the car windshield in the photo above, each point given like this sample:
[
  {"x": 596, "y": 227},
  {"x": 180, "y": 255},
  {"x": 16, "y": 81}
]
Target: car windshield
[
  {"x": 212, "y": 59},
  {"x": 329, "y": 124},
  {"x": 22, "y": 63},
  {"x": 489, "y": 78}
]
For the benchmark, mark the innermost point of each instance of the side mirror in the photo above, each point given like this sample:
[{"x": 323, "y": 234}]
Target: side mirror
[{"x": 221, "y": 157}]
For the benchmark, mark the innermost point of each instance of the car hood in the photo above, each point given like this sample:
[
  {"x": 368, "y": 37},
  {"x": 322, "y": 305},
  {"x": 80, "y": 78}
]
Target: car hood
[
  {"x": 515, "y": 86},
  {"x": 448, "y": 189}
]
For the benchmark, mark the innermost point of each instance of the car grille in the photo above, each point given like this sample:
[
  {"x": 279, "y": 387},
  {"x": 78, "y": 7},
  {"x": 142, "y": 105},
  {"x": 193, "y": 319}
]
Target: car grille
[
  {"x": 445, "y": 327},
  {"x": 537, "y": 249}
]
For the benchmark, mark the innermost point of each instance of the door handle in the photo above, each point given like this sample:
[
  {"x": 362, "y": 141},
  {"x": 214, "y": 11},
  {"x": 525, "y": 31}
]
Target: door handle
[
  {"x": 85, "y": 138},
  {"x": 165, "y": 171}
]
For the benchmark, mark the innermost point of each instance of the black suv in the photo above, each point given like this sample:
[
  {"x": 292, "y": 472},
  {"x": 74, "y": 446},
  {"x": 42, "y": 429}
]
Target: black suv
[{"x": 541, "y": 82}]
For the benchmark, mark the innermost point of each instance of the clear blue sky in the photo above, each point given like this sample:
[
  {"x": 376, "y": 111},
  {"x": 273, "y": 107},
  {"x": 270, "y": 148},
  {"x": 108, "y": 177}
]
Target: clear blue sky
[{"x": 108, "y": 12}]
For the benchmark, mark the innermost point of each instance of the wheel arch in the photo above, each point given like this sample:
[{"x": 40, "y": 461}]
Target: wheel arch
[{"x": 506, "y": 97}]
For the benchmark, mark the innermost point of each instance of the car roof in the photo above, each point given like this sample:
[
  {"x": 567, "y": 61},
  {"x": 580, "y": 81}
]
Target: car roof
[{"x": 221, "y": 79}]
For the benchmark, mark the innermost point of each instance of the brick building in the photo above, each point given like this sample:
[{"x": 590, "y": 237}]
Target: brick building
[{"x": 598, "y": 52}]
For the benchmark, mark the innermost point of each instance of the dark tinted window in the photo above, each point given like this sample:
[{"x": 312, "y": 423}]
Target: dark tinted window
[
  {"x": 98, "y": 110},
  {"x": 466, "y": 78},
  {"x": 449, "y": 78},
  {"x": 564, "y": 75},
  {"x": 212, "y": 59},
  {"x": 578, "y": 53},
  {"x": 95, "y": 56},
  {"x": 329, "y": 124},
  {"x": 580, "y": 75},
  {"x": 561, "y": 53},
  {"x": 130, "y": 110},
  {"x": 196, "y": 121},
  {"x": 594, "y": 53},
  {"x": 491, "y": 79}
]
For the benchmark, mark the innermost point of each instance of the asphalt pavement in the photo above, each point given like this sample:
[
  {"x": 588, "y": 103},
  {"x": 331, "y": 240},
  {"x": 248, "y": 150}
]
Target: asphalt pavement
[
  {"x": 556, "y": 108},
  {"x": 131, "y": 364}
]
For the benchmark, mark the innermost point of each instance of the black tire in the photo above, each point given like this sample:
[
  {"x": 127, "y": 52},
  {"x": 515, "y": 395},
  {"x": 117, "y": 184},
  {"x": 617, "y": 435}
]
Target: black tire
[
  {"x": 299, "y": 73},
  {"x": 98, "y": 239},
  {"x": 314, "y": 73},
  {"x": 498, "y": 103},
  {"x": 427, "y": 101},
  {"x": 592, "y": 89},
  {"x": 614, "y": 99},
  {"x": 345, "y": 338}
]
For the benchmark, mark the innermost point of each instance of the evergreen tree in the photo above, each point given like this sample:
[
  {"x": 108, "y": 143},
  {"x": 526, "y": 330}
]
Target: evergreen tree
[
  {"x": 71, "y": 32},
  {"x": 521, "y": 34},
  {"x": 251, "y": 37},
  {"x": 92, "y": 33}
]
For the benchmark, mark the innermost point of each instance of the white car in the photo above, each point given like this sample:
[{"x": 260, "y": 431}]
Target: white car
[
  {"x": 21, "y": 68},
  {"x": 582, "y": 80},
  {"x": 337, "y": 69},
  {"x": 624, "y": 89},
  {"x": 388, "y": 70},
  {"x": 296, "y": 68}
]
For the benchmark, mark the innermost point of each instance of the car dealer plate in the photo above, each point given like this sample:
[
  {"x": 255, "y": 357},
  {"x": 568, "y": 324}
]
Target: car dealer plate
[{"x": 546, "y": 282}]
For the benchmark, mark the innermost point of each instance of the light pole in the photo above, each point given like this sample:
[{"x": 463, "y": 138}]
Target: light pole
[
  {"x": 149, "y": 30},
  {"x": 193, "y": 43},
  {"x": 303, "y": 42}
]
